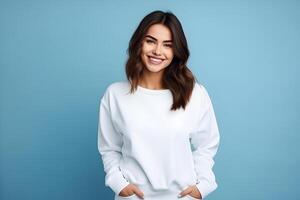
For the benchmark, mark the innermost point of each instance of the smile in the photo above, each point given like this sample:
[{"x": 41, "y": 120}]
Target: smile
[{"x": 155, "y": 61}]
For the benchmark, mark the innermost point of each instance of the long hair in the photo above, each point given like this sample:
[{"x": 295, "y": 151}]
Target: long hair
[{"x": 176, "y": 76}]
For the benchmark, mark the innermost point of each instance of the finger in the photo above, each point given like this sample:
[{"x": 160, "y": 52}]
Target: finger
[
  {"x": 196, "y": 192},
  {"x": 138, "y": 192},
  {"x": 185, "y": 192}
]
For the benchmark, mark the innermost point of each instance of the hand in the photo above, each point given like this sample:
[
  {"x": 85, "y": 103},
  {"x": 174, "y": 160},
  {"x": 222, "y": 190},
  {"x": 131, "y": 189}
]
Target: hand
[
  {"x": 130, "y": 190},
  {"x": 192, "y": 191}
]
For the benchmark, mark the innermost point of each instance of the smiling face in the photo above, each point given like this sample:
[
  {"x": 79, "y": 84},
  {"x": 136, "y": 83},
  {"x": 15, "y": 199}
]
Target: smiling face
[{"x": 157, "y": 52}]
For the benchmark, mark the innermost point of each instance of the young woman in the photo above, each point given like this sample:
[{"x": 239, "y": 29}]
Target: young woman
[{"x": 157, "y": 132}]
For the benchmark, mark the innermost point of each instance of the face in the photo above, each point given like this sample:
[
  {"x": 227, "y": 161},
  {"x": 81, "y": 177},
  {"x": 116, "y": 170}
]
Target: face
[{"x": 157, "y": 52}]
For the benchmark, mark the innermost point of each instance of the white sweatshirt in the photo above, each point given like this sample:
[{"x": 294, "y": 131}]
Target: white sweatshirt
[{"x": 142, "y": 141}]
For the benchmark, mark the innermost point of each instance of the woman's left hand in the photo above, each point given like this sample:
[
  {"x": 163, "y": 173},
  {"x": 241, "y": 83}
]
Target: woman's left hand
[{"x": 192, "y": 191}]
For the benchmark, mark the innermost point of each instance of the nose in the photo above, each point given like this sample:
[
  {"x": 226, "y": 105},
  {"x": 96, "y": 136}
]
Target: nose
[{"x": 157, "y": 50}]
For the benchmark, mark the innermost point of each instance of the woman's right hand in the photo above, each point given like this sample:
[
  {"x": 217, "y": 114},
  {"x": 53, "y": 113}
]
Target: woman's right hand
[{"x": 130, "y": 190}]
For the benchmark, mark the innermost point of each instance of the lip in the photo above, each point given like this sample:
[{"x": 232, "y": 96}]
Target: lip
[
  {"x": 155, "y": 61},
  {"x": 156, "y": 58}
]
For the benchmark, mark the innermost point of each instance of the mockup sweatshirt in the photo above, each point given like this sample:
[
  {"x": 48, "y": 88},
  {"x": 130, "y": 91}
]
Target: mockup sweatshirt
[{"x": 141, "y": 141}]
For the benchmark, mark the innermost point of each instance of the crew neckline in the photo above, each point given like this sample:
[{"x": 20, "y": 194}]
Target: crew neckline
[{"x": 152, "y": 91}]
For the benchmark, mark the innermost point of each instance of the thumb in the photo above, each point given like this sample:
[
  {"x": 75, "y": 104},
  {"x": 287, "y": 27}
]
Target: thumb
[{"x": 138, "y": 192}]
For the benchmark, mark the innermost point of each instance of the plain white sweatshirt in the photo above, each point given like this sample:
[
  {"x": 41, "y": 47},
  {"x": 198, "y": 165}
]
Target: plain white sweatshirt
[{"x": 141, "y": 141}]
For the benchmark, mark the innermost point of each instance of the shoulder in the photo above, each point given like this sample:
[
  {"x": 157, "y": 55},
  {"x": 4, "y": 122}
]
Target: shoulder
[
  {"x": 200, "y": 95},
  {"x": 200, "y": 90},
  {"x": 116, "y": 88}
]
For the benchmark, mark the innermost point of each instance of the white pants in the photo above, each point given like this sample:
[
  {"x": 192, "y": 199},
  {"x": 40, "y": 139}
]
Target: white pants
[{"x": 150, "y": 194}]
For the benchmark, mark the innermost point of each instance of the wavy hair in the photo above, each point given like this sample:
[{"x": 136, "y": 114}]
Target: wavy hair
[{"x": 176, "y": 76}]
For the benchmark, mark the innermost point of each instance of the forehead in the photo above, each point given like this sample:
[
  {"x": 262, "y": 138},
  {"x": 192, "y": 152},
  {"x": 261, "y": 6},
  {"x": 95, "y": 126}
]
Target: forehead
[{"x": 160, "y": 32}]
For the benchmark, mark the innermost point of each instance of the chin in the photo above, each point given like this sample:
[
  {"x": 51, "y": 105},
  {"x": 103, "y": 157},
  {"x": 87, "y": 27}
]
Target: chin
[{"x": 155, "y": 69}]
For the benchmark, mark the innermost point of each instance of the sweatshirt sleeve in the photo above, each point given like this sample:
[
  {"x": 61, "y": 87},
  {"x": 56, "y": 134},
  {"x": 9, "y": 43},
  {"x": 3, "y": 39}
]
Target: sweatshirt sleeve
[
  {"x": 110, "y": 146},
  {"x": 205, "y": 142}
]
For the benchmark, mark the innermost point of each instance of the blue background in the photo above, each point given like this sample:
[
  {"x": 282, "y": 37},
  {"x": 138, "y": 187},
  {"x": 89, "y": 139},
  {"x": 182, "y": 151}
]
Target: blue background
[{"x": 57, "y": 58}]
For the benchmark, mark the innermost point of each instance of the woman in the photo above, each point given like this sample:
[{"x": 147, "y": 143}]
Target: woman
[{"x": 157, "y": 132}]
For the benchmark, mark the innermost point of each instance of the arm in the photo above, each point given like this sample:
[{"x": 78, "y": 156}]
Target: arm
[
  {"x": 205, "y": 142},
  {"x": 110, "y": 145}
]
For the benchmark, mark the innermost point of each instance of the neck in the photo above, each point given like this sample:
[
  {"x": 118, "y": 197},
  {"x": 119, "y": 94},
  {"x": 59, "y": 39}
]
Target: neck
[{"x": 151, "y": 81}]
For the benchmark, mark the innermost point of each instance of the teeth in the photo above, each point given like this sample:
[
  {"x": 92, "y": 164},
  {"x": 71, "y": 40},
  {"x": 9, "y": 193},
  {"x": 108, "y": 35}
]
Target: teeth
[{"x": 155, "y": 59}]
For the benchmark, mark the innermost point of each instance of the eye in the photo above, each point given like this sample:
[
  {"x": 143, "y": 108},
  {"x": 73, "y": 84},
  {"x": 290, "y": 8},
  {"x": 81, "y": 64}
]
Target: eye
[
  {"x": 168, "y": 45},
  {"x": 149, "y": 41}
]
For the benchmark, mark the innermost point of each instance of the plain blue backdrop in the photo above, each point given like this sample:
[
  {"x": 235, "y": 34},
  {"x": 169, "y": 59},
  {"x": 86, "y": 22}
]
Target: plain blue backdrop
[{"x": 57, "y": 58}]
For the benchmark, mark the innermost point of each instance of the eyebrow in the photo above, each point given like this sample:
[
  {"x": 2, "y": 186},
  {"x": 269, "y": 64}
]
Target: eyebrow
[{"x": 156, "y": 39}]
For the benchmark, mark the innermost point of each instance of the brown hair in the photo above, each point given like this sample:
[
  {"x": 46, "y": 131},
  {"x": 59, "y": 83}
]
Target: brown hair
[{"x": 176, "y": 77}]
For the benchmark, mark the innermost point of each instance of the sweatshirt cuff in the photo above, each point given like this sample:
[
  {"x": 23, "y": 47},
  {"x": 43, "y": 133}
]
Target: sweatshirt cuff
[
  {"x": 117, "y": 182},
  {"x": 205, "y": 187}
]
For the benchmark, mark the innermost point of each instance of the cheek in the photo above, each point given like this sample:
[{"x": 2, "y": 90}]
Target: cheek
[
  {"x": 146, "y": 48},
  {"x": 170, "y": 55}
]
